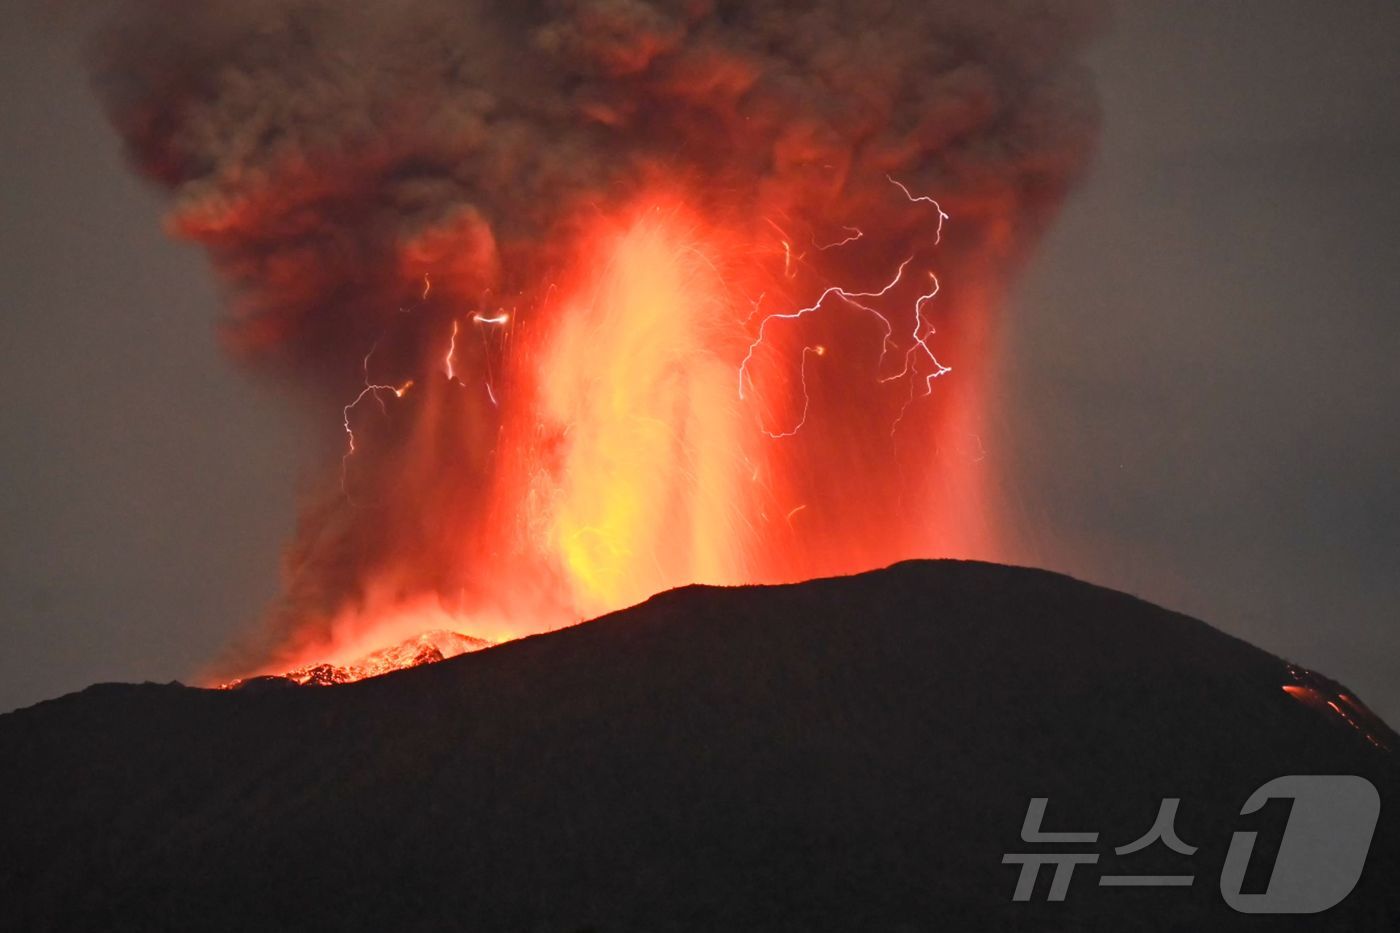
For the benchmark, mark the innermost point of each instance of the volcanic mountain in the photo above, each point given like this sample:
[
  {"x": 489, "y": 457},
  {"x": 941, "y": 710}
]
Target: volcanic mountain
[{"x": 854, "y": 753}]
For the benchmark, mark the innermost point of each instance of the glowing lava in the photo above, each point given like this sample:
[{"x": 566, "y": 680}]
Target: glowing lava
[
  {"x": 426, "y": 648},
  {"x": 647, "y": 484}
]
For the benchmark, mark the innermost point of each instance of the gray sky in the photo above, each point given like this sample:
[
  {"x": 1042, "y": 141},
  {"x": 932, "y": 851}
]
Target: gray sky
[{"x": 1197, "y": 403}]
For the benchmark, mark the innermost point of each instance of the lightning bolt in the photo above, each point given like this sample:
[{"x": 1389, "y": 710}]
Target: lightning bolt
[
  {"x": 919, "y": 348},
  {"x": 919, "y": 358},
  {"x": 817, "y": 350},
  {"x": 370, "y": 390},
  {"x": 923, "y": 199},
  {"x": 835, "y": 291},
  {"x": 451, "y": 352},
  {"x": 855, "y": 233}
]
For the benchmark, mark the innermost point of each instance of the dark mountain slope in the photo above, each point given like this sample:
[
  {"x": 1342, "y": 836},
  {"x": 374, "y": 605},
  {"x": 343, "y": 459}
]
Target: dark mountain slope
[{"x": 845, "y": 754}]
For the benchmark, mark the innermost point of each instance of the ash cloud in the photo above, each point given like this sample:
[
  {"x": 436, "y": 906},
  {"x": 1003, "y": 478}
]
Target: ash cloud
[
  {"x": 329, "y": 156},
  {"x": 324, "y": 150}
]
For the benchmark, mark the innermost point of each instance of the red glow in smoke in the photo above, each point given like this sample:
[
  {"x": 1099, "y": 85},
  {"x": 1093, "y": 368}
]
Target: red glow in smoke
[{"x": 637, "y": 450}]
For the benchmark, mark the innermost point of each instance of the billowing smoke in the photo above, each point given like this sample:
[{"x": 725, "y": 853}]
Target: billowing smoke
[{"x": 455, "y": 201}]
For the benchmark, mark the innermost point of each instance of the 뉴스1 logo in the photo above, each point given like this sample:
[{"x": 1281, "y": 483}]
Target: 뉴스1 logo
[{"x": 1320, "y": 857}]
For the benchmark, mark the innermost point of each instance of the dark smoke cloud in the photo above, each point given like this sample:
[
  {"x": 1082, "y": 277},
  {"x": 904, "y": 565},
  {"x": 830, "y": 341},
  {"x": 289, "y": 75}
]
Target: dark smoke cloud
[
  {"x": 321, "y": 147},
  {"x": 330, "y": 154}
]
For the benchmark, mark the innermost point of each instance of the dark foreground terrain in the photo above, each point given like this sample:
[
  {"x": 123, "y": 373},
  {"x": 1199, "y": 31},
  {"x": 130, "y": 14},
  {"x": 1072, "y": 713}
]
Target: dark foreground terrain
[{"x": 842, "y": 755}]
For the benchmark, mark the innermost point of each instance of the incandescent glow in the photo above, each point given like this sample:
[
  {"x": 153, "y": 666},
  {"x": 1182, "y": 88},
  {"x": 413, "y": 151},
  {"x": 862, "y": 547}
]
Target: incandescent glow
[{"x": 646, "y": 486}]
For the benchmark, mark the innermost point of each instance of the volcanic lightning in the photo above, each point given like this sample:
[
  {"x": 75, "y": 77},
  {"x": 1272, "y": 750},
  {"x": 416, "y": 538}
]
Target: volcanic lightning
[
  {"x": 924, "y": 199},
  {"x": 598, "y": 190},
  {"x": 833, "y": 291},
  {"x": 447, "y": 365}
]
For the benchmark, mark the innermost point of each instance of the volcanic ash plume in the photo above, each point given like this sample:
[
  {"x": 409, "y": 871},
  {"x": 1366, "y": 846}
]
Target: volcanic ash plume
[{"x": 592, "y": 298}]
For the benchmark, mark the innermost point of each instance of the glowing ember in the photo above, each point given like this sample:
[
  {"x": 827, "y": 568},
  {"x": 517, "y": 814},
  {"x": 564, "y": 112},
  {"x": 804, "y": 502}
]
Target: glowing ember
[{"x": 1330, "y": 698}]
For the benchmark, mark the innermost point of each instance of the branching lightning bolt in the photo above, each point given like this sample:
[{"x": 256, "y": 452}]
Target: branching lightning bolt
[
  {"x": 370, "y": 390},
  {"x": 923, "y": 199},
  {"x": 922, "y": 330},
  {"x": 834, "y": 291},
  {"x": 920, "y": 347}
]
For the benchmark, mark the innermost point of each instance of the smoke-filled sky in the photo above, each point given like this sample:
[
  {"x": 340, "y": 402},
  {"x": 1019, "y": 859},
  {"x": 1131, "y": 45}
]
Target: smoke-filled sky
[{"x": 1195, "y": 402}]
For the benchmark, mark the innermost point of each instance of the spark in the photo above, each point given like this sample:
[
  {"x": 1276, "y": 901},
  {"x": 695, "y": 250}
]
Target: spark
[
  {"x": 427, "y": 287},
  {"x": 497, "y": 319},
  {"x": 923, "y": 199},
  {"x": 800, "y": 508}
]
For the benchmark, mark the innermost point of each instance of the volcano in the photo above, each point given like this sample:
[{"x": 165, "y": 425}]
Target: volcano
[
  {"x": 582, "y": 301},
  {"x": 853, "y": 753}
]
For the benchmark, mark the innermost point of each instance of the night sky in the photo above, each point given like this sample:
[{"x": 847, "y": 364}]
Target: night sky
[{"x": 1197, "y": 398}]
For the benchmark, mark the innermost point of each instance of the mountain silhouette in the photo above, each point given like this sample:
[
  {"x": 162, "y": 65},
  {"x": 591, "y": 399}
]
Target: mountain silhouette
[{"x": 848, "y": 754}]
